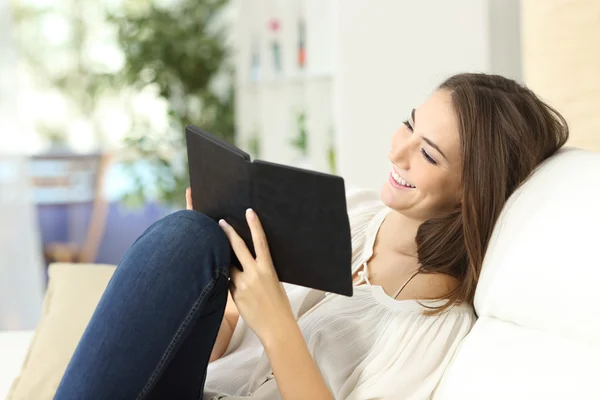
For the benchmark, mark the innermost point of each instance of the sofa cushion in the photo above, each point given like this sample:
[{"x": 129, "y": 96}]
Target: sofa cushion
[
  {"x": 73, "y": 293},
  {"x": 13, "y": 348},
  {"x": 538, "y": 335}
]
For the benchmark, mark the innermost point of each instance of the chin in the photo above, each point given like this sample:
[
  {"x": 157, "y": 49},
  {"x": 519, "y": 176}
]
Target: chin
[
  {"x": 397, "y": 202},
  {"x": 385, "y": 195},
  {"x": 388, "y": 197}
]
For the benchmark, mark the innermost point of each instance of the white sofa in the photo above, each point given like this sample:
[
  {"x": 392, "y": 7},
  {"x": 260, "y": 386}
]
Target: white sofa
[
  {"x": 538, "y": 333},
  {"x": 13, "y": 349},
  {"x": 538, "y": 299}
]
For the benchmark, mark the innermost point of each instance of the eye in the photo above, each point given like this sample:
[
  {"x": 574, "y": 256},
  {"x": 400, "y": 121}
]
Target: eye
[
  {"x": 410, "y": 128},
  {"x": 428, "y": 157}
]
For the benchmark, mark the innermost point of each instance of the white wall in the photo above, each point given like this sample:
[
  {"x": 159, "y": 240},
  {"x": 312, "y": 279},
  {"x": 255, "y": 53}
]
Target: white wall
[
  {"x": 506, "y": 58},
  {"x": 391, "y": 54}
]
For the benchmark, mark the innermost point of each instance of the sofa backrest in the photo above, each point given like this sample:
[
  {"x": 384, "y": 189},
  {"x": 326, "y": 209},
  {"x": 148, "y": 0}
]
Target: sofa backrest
[{"x": 538, "y": 299}]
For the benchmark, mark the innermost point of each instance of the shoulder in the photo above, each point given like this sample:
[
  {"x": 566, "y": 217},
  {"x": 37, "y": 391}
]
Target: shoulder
[
  {"x": 358, "y": 199},
  {"x": 443, "y": 328},
  {"x": 429, "y": 286},
  {"x": 362, "y": 205},
  {"x": 416, "y": 350}
]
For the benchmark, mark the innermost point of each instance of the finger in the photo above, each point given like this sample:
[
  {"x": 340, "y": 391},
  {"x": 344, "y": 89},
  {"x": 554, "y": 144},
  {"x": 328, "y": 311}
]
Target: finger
[
  {"x": 188, "y": 199},
  {"x": 238, "y": 245},
  {"x": 235, "y": 275},
  {"x": 259, "y": 239},
  {"x": 233, "y": 291}
]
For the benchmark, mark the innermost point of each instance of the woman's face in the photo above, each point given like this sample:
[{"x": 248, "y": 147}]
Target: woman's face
[{"x": 424, "y": 181}]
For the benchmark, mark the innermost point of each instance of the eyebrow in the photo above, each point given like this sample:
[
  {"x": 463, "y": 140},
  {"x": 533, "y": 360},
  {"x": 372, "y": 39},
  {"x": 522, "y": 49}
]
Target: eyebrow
[{"x": 428, "y": 141}]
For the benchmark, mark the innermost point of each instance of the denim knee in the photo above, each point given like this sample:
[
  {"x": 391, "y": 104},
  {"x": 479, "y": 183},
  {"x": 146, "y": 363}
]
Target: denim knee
[
  {"x": 192, "y": 222},
  {"x": 195, "y": 234}
]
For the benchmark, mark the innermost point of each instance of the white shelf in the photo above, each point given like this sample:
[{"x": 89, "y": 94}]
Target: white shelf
[
  {"x": 268, "y": 105},
  {"x": 293, "y": 79}
]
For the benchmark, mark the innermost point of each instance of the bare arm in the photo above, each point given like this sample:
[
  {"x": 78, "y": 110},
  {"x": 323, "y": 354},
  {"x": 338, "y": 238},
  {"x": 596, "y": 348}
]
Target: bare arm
[
  {"x": 231, "y": 312},
  {"x": 265, "y": 306},
  {"x": 295, "y": 371},
  {"x": 226, "y": 330}
]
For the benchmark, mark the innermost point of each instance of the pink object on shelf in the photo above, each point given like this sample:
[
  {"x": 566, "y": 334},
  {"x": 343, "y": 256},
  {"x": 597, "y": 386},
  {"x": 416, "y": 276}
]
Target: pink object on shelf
[{"x": 274, "y": 24}]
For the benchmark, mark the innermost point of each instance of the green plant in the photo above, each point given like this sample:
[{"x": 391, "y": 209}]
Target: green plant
[
  {"x": 300, "y": 141},
  {"x": 179, "y": 52},
  {"x": 254, "y": 143},
  {"x": 331, "y": 152}
]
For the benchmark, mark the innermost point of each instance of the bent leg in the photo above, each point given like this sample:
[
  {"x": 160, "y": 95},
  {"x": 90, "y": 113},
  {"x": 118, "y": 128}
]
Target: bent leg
[{"x": 154, "y": 328}]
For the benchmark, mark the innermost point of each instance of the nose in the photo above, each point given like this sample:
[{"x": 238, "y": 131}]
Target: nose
[{"x": 400, "y": 152}]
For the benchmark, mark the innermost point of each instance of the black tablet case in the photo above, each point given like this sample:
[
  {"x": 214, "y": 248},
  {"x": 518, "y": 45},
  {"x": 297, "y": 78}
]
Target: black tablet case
[{"x": 303, "y": 212}]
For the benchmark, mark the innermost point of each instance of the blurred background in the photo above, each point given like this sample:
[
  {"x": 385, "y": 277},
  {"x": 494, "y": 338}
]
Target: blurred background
[{"x": 94, "y": 97}]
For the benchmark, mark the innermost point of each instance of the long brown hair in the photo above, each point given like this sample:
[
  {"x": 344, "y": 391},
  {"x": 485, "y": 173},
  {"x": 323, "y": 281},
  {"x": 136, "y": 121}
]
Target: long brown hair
[{"x": 506, "y": 131}]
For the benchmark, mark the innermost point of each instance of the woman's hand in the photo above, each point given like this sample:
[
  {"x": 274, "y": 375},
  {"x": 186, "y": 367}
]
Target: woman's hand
[
  {"x": 188, "y": 199},
  {"x": 265, "y": 307},
  {"x": 257, "y": 292}
]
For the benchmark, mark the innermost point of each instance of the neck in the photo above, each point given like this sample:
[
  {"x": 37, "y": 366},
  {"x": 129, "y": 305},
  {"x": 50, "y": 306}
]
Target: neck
[{"x": 398, "y": 233}]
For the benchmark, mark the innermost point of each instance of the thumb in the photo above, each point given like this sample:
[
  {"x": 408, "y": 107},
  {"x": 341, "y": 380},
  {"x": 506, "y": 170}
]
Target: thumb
[{"x": 188, "y": 199}]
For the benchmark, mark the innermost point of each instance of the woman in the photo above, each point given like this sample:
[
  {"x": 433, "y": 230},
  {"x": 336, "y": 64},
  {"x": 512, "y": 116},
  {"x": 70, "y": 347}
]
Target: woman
[{"x": 418, "y": 252}]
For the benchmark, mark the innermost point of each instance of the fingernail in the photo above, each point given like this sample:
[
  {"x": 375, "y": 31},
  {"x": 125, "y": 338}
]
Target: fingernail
[
  {"x": 222, "y": 222},
  {"x": 250, "y": 213}
]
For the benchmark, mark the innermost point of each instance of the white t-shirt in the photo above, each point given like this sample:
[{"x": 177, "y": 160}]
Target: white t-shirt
[{"x": 368, "y": 346}]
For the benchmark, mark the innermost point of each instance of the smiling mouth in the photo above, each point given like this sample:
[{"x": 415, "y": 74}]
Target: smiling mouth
[{"x": 400, "y": 181}]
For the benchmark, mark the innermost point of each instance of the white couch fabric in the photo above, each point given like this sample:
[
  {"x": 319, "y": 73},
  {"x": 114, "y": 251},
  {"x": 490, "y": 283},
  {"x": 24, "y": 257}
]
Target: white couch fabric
[
  {"x": 13, "y": 349},
  {"x": 538, "y": 299}
]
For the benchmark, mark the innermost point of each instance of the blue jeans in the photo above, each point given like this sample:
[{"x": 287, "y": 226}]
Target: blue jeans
[{"x": 153, "y": 331}]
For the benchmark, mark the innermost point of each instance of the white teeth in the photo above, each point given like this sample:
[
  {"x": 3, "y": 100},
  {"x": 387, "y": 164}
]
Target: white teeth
[{"x": 400, "y": 181}]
